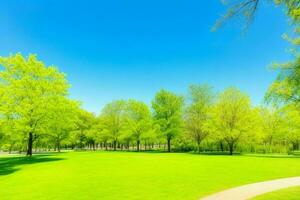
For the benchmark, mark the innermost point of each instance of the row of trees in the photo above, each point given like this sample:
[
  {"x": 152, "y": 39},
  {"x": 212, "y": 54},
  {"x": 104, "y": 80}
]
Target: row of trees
[
  {"x": 221, "y": 120},
  {"x": 35, "y": 112}
]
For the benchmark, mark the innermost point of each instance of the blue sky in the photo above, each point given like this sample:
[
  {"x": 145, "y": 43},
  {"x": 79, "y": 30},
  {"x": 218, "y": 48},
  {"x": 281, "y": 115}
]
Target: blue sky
[{"x": 131, "y": 49}]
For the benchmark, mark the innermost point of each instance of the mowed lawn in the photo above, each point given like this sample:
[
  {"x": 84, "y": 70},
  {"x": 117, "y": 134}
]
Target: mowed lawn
[
  {"x": 130, "y": 175},
  {"x": 292, "y": 193}
]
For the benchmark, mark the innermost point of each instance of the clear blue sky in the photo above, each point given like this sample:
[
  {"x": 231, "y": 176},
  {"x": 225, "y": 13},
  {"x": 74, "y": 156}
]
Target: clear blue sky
[{"x": 130, "y": 49}]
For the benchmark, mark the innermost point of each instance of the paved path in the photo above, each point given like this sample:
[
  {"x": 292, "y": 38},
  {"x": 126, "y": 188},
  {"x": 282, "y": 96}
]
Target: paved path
[{"x": 249, "y": 191}]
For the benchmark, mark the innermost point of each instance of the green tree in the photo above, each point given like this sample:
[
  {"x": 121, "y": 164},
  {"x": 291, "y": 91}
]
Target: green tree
[
  {"x": 168, "y": 108},
  {"x": 286, "y": 87},
  {"x": 232, "y": 117},
  {"x": 271, "y": 124},
  {"x": 84, "y": 123},
  {"x": 113, "y": 120},
  {"x": 29, "y": 90},
  {"x": 62, "y": 121},
  {"x": 247, "y": 8},
  {"x": 103, "y": 135},
  {"x": 201, "y": 99},
  {"x": 292, "y": 125},
  {"x": 138, "y": 120}
]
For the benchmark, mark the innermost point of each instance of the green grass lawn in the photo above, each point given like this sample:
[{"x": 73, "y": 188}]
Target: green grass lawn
[
  {"x": 125, "y": 175},
  {"x": 292, "y": 193}
]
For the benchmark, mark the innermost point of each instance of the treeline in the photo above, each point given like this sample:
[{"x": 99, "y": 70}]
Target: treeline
[{"x": 37, "y": 114}]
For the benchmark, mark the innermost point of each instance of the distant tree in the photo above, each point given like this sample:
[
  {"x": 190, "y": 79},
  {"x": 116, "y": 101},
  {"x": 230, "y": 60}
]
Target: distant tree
[
  {"x": 291, "y": 121},
  {"x": 92, "y": 136},
  {"x": 232, "y": 117},
  {"x": 168, "y": 108},
  {"x": 138, "y": 120},
  {"x": 84, "y": 124},
  {"x": 113, "y": 120},
  {"x": 103, "y": 136},
  {"x": 62, "y": 121},
  {"x": 271, "y": 124},
  {"x": 28, "y": 90},
  {"x": 196, "y": 116}
]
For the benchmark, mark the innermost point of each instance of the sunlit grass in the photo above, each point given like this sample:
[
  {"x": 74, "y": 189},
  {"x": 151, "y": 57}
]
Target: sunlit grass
[
  {"x": 125, "y": 175},
  {"x": 292, "y": 193}
]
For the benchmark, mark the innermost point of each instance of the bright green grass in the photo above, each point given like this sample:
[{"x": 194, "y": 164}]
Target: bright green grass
[
  {"x": 134, "y": 176},
  {"x": 292, "y": 193}
]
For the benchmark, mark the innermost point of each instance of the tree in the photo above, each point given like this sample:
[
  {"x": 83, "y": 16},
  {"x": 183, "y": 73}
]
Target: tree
[
  {"x": 247, "y": 8},
  {"x": 103, "y": 135},
  {"x": 60, "y": 125},
  {"x": 29, "y": 90},
  {"x": 138, "y": 120},
  {"x": 197, "y": 113},
  {"x": 292, "y": 125},
  {"x": 113, "y": 120},
  {"x": 84, "y": 123},
  {"x": 167, "y": 108},
  {"x": 271, "y": 124},
  {"x": 9, "y": 136},
  {"x": 232, "y": 117},
  {"x": 286, "y": 87}
]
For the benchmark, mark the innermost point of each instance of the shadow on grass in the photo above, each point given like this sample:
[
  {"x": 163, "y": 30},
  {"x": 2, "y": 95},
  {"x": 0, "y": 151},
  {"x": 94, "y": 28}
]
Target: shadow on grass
[
  {"x": 294, "y": 156},
  {"x": 273, "y": 156},
  {"x": 214, "y": 153},
  {"x": 218, "y": 153},
  {"x": 9, "y": 165},
  {"x": 132, "y": 151}
]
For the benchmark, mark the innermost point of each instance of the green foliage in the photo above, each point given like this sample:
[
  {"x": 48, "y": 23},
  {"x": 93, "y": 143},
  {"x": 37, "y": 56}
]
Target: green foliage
[
  {"x": 292, "y": 126},
  {"x": 168, "y": 108},
  {"x": 139, "y": 122},
  {"x": 286, "y": 87},
  {"x": 246, "y": 9},
  {"x": 36, "y": 113},
  {"x": 62, "y": 120},
  {"x": 28, "y": 93},
  {"x": 233, "y": 118},
  {"x": 272, "y": 122},
  {"x": 292, "y": 8},
  {"x": 84, "y": 128},
  {"x": 197, "y": 112},
  {"x": 113, "y": 120}
]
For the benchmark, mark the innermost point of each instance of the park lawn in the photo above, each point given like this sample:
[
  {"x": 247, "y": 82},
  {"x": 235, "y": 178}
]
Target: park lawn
[
  {"x": 134, "y": 176},
  {"x": 292, "y": 193}
]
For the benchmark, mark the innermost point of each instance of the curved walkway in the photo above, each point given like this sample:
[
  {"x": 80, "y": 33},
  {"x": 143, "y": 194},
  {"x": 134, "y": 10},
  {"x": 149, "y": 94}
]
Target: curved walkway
[{"x": 249, "y": 191}]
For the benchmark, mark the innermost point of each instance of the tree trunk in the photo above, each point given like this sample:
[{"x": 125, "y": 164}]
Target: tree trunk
[
  {"x": 198, "y": 144},
  {"x": 138, "y": 145},
  {"x": 58, "y": 146},
  {"x": 295, "y": 146},
  {"x": 169, "y": 144},
  {"x": 10, "y": 148},
  {"x": 29, "y": 147},
  {"x": 231, "y": 147},
  {"x": 221, "y": 146},
  {"x": 115, "y": 145}
]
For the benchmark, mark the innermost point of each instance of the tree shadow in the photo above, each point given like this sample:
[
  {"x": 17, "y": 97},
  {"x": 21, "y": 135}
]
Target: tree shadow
[
  {"x": 273, "y": 156},
  {"x": 215, "y": 153},
  {"x": 9, "y": 165}
]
